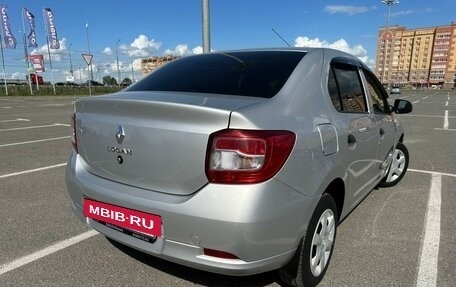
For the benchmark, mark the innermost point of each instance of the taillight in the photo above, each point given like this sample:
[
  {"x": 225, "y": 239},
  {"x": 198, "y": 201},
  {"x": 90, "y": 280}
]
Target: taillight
[
  {"x": 247, "y": 156},
  {"x": 73, "y": 138}
]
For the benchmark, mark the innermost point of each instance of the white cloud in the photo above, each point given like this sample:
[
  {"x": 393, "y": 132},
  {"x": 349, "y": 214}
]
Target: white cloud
[
  {"x": 107, "y": 51},
  {"x": 411, "y": 11},
  {"x": 129, "y": 55},
  {"x": 18, "y": 75},
  {"x": 57, "y": 55},
  {"x": 350, "y": 10},
  {"x": 402, "y": 13},
  {"x": 341, "y": 44},
  {"x": 179, "y": 50},
  {"x": 307, "y": 42},
  {"x": 81, "y": 75},
  {"x": 141, "y": 47},
  {"x": 183, "y": 50},
  {"x": 197, "y": 50},
  {"x": 125, "y": 69}
]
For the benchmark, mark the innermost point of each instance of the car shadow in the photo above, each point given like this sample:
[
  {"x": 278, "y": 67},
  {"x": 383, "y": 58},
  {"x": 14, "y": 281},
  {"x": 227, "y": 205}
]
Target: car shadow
[{"x": 197, "y": 276}]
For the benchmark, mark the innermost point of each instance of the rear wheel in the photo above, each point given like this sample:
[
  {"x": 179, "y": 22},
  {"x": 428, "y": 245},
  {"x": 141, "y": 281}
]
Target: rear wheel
[
  {"x": 398, "y": 166},
  {"x": 312, "y": 258}
]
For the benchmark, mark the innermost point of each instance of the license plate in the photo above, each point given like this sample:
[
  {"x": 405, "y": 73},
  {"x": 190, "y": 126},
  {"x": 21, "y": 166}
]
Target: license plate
[{"x": 135, "y": 220}]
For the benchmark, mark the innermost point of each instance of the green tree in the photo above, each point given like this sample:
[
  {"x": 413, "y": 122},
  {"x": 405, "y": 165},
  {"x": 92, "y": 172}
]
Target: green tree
[
  {"x": 110, "y": 81},
  {"x": 106, "y": 80},
  {"x": 126, "y": 82}
]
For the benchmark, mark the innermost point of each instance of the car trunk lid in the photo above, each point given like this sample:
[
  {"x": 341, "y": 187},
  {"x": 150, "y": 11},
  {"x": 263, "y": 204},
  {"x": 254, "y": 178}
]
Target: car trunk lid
[{"x": 152, "y": 140}]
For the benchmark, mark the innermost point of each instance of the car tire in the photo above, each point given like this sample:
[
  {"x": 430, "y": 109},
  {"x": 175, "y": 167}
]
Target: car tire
[
  {"x": 398, "y": 166},
  {"x": 309, "y": 265}
]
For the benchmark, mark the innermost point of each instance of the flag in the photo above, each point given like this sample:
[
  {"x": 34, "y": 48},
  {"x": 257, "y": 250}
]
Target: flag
[
  {"x": 10, "y": 41},
  {"x": 31, "y": 36},
  {"x": 51, "y": 31}
]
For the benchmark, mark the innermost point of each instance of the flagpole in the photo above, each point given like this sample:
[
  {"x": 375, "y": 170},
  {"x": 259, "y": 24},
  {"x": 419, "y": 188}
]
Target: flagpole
[
  {"x": 26, "y": 55},
  {"x": 50, "y": 64},
  {"x": 49, "y": 51},
  {"x": 3, "y": 64}
]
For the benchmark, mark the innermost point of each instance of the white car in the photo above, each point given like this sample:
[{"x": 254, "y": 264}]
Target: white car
[{"x": 395, "y": 90}]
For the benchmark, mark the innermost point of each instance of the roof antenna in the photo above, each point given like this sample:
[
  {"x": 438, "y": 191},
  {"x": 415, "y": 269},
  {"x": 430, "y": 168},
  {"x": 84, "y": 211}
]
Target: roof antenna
[{"x": 281, "y": 37}]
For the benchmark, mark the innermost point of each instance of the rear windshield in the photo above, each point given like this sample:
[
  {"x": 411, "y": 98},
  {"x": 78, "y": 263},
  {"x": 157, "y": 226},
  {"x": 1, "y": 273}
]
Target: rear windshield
[{"x": 255, "y": 74}]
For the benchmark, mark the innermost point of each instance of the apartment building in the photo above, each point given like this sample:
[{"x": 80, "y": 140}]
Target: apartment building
[{"x": 422, "y": 57}]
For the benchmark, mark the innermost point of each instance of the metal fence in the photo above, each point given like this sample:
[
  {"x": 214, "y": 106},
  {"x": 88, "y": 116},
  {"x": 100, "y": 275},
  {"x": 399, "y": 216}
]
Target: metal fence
[{"x": 47, "y": 90}]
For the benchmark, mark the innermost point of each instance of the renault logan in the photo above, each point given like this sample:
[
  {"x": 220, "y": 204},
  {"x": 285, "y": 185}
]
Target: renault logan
[{"x": 237, "y": 162}]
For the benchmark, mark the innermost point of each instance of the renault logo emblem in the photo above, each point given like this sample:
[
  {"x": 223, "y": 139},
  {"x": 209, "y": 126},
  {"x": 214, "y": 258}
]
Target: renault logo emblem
[{"x": 120, "y": 134}]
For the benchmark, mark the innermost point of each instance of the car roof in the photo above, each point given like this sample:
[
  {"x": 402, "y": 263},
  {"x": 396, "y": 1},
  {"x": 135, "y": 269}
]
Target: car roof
[
  {"x": 291, "y": 49},
  {"x": 333, "y": 52}
]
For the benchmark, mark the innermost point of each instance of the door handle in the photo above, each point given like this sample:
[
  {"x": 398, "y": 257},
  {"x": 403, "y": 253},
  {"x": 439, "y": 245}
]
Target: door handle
[
  {"x": 351, "y": 139},
  {"x": 382, "y": 135}
]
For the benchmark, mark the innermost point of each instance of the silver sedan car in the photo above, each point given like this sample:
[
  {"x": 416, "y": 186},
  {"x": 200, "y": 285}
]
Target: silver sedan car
[{"x": 237, "y": 162}]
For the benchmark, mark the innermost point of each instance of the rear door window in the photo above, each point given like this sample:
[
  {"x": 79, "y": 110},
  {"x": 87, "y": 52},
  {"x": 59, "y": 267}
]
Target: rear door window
[{"x": 345, "y": 88}]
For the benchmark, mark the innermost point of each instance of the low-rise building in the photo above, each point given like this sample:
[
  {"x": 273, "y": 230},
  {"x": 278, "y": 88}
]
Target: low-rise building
[{"x": 153, "y": 63}]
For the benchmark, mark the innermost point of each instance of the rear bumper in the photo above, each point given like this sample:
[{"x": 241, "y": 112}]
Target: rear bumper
[{"x": 261, "y": 224}]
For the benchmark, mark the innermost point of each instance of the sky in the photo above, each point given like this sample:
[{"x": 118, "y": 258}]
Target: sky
[{"x": 143, "y": 28}]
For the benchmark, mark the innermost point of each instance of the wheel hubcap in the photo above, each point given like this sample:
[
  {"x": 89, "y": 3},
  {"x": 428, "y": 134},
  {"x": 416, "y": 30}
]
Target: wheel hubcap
[
  {"x": 322, "y": 242},
  {"x": 397, "y": 166}
]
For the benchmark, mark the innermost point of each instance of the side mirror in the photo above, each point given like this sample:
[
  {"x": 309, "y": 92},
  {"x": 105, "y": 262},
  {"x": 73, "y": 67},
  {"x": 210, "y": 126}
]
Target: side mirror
[{"x": 402, "y": 106}]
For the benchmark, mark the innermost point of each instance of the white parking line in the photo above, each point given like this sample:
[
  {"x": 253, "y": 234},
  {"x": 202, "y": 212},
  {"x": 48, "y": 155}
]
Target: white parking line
[
  {"x": 52, "y": 105},
  {"x": 440, "y": 129},
  {"x": 63, "y": 125},
  {"x": 432, "y": 172},
  {"x": 428, "y": 266},
  {"x": 31, "y": 170},
  {"x": 425, "y": 97},
  {"x": 16, "y": 120},
  {"x": 421, "y": 116},
  {"x": 33, "y": 127},
  {"x": 446, "y": 105},
  {"x": 416, "y": 102},
  {"x": 45, "y": 252},
  {"x": 35, "y": 141},
  {"x": 445, "y": 121}
]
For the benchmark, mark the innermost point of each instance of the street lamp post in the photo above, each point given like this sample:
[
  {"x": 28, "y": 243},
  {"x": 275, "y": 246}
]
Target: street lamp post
[
  {"x": 117, "y": 61},
  {"x": 206, "y": 26},
  {"x": 71, "y": 62},
  {"x": 132, "y": 70},
  {"x": 88, "y": 47},
  {"x": 389, "y": 3}
]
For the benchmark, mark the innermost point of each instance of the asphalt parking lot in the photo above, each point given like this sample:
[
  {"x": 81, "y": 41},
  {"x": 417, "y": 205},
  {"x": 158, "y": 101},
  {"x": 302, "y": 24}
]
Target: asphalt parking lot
[{"x": 399, "y": 236}]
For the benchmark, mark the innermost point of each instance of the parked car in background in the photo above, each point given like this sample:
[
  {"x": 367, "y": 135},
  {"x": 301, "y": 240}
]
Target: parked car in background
[
  {"x": 67, "y": 84},
  {"x": 237, "y": 162},
  {"x": 72, "y": 84},
  {"x": 94, "y": 83},
  {"x": 395, "y": 90}
]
